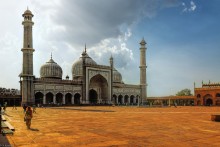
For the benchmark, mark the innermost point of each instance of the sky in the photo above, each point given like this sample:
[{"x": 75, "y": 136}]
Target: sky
[{"x": 183, "y": 39}]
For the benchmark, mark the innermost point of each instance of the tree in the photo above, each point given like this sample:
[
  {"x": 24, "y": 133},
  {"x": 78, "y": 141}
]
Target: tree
[{"x": 184, "y": 92}]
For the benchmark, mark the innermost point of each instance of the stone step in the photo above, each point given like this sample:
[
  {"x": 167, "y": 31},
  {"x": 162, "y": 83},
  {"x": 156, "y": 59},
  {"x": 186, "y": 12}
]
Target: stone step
[
  {"x": 9, "y": 126},
  {"x": 7, "y": 131},
  {"x": 3, "y": 118}
]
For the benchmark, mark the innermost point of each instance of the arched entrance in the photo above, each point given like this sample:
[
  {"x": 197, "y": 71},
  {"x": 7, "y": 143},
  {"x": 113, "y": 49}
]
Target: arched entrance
[
  {"x": 126, "y": 99},
  {"x": 209, "y": 102},
  {"x": 59, "y": 98},
  {"x": 39, "y": 98},
  {"x": 120, "y": 99},
  {"x": 100, "y": 86},
  {"x": 93, "y": 97},
  {"x": 137, "y": 99},
  {"x": 68, "y": 99},
  {"x": 77, "y": 98},
  {"x": 114, "y": 99},
  {"x": 49, "y": 98},
  {"x": 131, "y": 99}
]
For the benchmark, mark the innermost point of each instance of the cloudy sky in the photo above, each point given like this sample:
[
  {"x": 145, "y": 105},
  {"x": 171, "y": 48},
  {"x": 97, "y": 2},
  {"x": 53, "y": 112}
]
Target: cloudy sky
[{"x": 183, "y": 39}]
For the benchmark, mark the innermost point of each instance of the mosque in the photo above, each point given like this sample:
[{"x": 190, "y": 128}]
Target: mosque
[{"x": 91, "y": 83}]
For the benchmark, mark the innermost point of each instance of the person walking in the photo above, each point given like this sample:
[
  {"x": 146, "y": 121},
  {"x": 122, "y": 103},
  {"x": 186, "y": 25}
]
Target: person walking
[
  {"x": 28, "y": 116},
  {"x": 24, "y": 108}
]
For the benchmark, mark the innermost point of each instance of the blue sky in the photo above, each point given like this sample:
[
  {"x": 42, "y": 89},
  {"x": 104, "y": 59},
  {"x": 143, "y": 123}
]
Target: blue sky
[{"x": 182, "y": 39}]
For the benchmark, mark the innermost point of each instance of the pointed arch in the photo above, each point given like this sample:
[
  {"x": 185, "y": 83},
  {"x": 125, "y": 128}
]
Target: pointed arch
[{"x": 39, "y": 98}]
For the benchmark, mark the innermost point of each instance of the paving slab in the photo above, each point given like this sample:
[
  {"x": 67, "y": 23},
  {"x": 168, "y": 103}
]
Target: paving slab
[{"x": 116, "y": 126}]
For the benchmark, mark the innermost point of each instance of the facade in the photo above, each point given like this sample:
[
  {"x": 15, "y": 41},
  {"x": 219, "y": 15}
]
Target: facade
[
  {"x": 208, "y": 94},
  {"x": 91, "y": 83},
  {"x": 10, "y": 96}
]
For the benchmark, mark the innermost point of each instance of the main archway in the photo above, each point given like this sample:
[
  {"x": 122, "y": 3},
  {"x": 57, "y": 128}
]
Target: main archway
[{"x": 99, "y": 86}]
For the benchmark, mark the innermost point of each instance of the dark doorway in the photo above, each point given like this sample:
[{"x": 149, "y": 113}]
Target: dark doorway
[
  {"x": 49, "y": 98},
  {"x": 59, "y": 98},
  {"x": 93, "y": 97},
  {"x": 77, "y": 98},
  {"x": 209, "y": 102},
  {"x": 114, "y": 99},
  {"x": 39, "y": 98},
  {"x": 68, "y": 99},
  {"x": 132, "y": 99},
  {"x": 126, "y": 99},
  {"x": 120, "y": 99}
]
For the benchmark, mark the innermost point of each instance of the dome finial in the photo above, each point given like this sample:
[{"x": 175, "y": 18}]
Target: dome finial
[
  {"x": 51, "y": 56},
  {"x": 27, "y": 8}
]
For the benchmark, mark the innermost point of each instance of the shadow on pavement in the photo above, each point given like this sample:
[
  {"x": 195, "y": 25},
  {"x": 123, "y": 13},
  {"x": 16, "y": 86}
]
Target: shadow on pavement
[
  {"x": 91, "y": 110},
  {"x": 33, "y": 129}
]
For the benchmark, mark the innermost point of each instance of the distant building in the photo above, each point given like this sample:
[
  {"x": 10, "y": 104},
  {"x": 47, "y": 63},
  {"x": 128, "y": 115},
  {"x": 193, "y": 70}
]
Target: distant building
[
  {"x": 171, "y": 100},
  {"x": 208, "y": 94},
  {"x": 91, "y": 83},
  {"x": 10, "y": 96}
]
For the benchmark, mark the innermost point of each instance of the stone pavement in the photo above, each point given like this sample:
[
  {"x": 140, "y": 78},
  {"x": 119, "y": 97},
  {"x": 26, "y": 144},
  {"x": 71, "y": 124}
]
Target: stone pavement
[{"x": 116, "y": 126}]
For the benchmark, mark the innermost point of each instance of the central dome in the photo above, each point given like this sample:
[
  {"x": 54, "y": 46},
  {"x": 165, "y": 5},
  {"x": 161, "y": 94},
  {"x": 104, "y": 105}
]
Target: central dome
[
  {"x": 51, "y": 70},
  {"x": 78, "y": 65}
]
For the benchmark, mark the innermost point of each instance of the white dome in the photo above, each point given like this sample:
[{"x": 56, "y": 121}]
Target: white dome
[
  {"x": 78, "y": 65},
  {"x": 51, "y": 70}
]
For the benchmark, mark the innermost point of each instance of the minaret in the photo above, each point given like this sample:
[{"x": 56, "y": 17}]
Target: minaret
[
  {"x": 27, "y": 67},
  {"x": 112, "y": 67},
  {"x": 143, "y": 76},
  {"x": 84, "y": 76}
]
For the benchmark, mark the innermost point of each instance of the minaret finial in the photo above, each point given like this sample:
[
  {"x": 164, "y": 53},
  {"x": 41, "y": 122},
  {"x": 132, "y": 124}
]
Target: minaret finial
[
  {"x": 27, "y": 8},
  {"x": 51, "y": 56},
  {"x": 85, "y": 47}
]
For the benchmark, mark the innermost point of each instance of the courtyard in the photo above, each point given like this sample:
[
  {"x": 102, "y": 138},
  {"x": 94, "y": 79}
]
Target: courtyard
[{"x": 115, "y": 126}]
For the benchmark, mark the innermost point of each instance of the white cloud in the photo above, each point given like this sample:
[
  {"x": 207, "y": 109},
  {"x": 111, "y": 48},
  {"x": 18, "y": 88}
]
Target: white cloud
[
  {"x": 192, "y": 7},
  {"x": 65, "y": 26}
]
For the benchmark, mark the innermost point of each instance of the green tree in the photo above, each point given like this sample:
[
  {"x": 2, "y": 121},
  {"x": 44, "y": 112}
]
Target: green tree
[{"x": 184, "y": 92}]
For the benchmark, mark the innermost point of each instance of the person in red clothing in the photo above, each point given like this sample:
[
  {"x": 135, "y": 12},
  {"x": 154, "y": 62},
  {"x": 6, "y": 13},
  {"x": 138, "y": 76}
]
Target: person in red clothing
[{"x": 28, "y": 116}]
